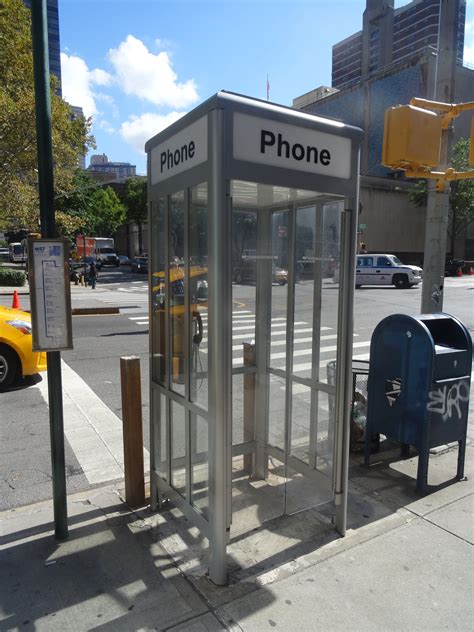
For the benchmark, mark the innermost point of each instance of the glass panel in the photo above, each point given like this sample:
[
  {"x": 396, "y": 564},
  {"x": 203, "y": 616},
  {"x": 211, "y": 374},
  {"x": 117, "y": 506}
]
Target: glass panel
[
  {"x": 325, "y": 434},
  {"x": 270, "y": 481},
  {"x": 198, "y": 288},
  {"x": 244, "y": 277},
  {"x": 309, "y": 473},
  {"x": 176, "y": 291},
  {"x": 279, "y": 288},
  {"x": 330, "y": 247},
  {"x": 178, "y": 447},
  {"x": 301, "y": 422},
  {"x": 256, "y": 501},
  {"x": 276, "y": 412},
  {"x": 159, "y": 414},
  {"x": 200, "y": 463},
  {"x": 307, "y": 276},
  {"x": 158, "y": 290}
]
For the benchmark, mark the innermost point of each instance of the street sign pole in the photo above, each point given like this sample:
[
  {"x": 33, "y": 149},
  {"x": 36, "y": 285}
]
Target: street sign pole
[
  {"x": 437, "y": 208},
  {"x": 39, "y": 31}
]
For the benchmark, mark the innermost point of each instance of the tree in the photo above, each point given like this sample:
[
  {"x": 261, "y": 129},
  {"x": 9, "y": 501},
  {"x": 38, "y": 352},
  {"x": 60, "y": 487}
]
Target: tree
[
  {"x": 135, "y": 201},
  {"x": 18, "y": 159},
  {"x": 105, "y": 214},
  {"x": 461, "y": 197}
]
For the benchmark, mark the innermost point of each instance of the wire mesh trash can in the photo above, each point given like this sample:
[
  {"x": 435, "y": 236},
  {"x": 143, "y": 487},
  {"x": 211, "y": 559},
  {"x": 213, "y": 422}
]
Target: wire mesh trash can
[{"x": 360, "y": 378}]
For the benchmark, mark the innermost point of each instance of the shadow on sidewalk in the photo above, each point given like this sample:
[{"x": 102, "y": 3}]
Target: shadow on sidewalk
[
  {"x": 283, "y": 545},
  {"x": 109, "y": 575}
]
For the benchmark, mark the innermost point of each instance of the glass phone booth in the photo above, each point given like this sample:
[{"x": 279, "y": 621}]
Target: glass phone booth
[{"x": 253, "y": 216}]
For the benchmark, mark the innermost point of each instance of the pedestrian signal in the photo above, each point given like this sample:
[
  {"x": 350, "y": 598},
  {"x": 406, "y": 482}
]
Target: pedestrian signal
[{"x": 412, "y": 138}]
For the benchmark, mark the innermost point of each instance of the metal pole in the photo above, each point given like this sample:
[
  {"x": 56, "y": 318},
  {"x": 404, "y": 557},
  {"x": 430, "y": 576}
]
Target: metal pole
[
  {"x": 344, "y": 358},
  {"x": 220, "y": 355},
  {"x": 39, "y": 32},
  {"x": 437, "y": 209}
]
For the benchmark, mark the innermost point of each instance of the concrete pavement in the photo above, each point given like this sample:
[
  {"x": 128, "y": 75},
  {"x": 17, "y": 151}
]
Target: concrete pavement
[{"x": 405, "y": 563}]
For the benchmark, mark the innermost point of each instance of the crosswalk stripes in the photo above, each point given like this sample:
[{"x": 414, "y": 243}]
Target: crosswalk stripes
[{"x": 244, "y": 329}]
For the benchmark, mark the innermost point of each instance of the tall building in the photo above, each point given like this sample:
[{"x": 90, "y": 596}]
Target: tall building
[
  {"x": 395, "y": 58},
  {"x": 390, "y": 36},
  {"x": 102, "y": 169},
  {"x": 53, "y": 39}
]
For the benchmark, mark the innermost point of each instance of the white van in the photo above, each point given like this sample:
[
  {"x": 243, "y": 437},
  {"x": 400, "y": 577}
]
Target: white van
[{"x": 386, "y": 270}]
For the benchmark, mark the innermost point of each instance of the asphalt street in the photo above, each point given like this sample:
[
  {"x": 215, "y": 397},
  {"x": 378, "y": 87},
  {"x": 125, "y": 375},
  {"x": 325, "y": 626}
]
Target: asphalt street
[{"x": 93, "y": 367}]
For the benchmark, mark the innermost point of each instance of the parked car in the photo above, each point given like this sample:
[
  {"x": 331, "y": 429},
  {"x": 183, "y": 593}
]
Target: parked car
[
  {"x": 246, "y": 272},
  {"x": 383, "y": 269},
  {"x": 124, "y": 260},
  {"x": 140, "y": 264},
  {"x": 4, "y": 254},
  {"x": 89, "y": 260},
  {"x": 453, "y": 267},
  {"x": 17, "y": 358}
]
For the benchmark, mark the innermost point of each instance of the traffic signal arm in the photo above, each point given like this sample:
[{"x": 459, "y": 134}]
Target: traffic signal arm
[{"x": 451, "y": 110}]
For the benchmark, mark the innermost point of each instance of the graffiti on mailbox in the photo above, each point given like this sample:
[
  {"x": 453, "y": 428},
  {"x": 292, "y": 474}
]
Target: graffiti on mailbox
[{"x": 447, "y": 401}]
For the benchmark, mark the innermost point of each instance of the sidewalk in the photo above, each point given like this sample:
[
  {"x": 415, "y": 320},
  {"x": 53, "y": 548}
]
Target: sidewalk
[
  {"x": 81, "y": 297},
  {"x": 406, "y": 563}
]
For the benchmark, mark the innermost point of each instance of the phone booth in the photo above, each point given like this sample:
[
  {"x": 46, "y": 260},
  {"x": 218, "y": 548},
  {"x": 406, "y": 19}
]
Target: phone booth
[{"x": 253, "y": 214}]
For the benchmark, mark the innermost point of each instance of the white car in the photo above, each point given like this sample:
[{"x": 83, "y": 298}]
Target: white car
[{"x": 375, "y": 269}]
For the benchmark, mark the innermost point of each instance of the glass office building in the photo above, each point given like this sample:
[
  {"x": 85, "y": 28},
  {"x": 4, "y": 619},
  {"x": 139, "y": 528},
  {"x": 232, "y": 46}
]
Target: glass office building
[{"x": 53, "y": 39}]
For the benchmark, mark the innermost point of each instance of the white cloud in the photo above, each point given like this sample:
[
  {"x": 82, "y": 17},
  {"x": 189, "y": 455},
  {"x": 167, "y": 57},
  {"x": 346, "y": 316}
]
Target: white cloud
[
  {"x": 150, "y": 77},
  {"x": 106, "y": 126},
  {"x": 78, "y": 80},
  {"x": 138, "y": 129},
  {"x": 100, "y": 77}
]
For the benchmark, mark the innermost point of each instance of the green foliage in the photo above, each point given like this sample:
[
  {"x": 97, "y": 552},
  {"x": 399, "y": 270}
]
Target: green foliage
[
  {"x": 18, "y": 158},
  {"x": 105, "y": 214},
  {"x": 12, "y": 278},
  {"x": 135, "y": 200},
  {"x": 461, "y": 197},
  {"x": 88, "y": 208}
]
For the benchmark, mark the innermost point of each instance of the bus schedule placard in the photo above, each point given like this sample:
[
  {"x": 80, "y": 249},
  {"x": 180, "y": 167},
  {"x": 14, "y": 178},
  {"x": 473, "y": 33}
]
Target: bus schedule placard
[{"x": 50, "y": 293}]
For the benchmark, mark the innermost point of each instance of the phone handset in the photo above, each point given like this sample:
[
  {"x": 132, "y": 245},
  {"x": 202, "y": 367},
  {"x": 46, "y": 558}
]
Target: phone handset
[{"x": 197, "y": 338}]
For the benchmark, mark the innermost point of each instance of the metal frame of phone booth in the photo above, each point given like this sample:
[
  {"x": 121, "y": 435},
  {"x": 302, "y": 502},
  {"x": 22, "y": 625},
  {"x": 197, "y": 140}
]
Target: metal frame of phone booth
[{"x": 234, "y": 438}]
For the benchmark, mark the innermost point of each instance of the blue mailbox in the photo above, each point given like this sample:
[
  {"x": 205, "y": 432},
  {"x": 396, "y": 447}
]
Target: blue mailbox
[{"x": 419, "y": 383}]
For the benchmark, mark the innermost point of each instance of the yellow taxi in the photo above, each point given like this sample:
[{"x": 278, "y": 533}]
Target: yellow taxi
[{"x": 17, "y": 357}]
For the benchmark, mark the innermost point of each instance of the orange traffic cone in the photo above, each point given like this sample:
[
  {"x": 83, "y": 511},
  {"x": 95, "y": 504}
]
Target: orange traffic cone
[
  {"x": 471, "y": 270},
  {"x": 459, "y": 271},
  {"x": 16, "y": 301}
]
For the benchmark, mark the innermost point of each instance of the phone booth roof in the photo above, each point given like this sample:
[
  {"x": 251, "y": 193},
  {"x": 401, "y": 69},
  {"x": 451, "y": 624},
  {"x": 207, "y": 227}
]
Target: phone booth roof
[{"x": 262, "y": 142}]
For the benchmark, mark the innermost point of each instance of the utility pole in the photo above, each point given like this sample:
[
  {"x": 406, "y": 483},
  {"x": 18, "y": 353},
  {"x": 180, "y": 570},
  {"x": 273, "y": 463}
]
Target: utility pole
[
  {"x": 39, "y": 32},
  {"x": 438, "y": 201}
]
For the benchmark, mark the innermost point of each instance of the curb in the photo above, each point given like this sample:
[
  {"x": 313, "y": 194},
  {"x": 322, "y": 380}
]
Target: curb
[
  {"x": 20, "y": 292},
  {"x": 90, "y": 311}
]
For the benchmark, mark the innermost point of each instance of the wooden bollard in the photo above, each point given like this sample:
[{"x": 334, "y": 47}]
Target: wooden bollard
[{"x": 132, "y": 431}]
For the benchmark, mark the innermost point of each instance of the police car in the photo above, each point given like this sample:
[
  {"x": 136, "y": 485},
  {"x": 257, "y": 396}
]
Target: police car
[{"x": 380, "y": 269}]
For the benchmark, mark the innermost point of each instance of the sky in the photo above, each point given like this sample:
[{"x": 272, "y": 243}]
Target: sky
[{"x": 136, "y": 66}]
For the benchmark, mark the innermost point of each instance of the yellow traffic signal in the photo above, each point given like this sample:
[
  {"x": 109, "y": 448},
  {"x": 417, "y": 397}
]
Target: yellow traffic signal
[{"x": 412, "y": 138}]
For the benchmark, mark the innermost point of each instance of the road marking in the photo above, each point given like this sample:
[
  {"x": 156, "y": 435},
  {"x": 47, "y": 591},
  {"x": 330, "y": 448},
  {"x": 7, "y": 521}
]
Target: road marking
[
  {"x": 280, "y": 343},
  {"x": 93, "y": 431}
]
